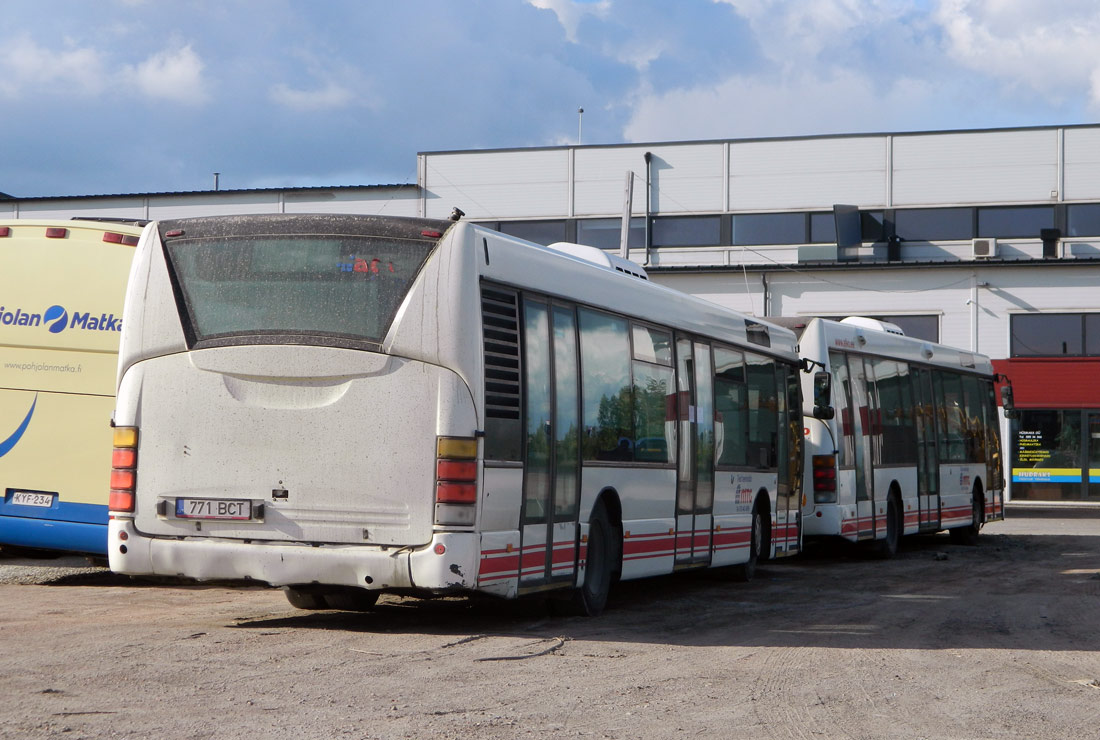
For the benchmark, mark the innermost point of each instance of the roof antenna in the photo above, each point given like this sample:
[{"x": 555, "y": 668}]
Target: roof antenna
[{"x": 457, "y": 213}]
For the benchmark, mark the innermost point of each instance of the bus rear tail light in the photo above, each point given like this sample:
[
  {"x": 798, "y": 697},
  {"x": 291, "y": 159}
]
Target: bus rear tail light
[
  {"x": 824, "y": 470},
  {"x": 123, "y": 470},
  {"x": 455, "y": 480},
  {"x": 128, "y": 240}
]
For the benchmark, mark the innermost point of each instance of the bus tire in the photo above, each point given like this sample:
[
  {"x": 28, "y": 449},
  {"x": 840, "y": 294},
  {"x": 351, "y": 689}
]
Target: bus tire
[
  {"x": 305, "y": 598},
  {"x": 590, "y": 598},
  {"x": 351, "y": 599},
  {"x": 744, "y": 572},
  {"x": 968, "y": 535},
  {"x": 887, "y": 547}
]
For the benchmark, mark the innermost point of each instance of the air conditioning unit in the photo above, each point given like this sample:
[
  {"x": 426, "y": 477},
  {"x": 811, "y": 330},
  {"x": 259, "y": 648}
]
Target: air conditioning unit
[{"x": 984, "y": 249}]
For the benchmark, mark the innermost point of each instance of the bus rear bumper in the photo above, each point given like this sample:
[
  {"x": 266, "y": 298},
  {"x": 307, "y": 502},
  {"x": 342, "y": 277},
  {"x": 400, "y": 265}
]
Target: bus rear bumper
[
  {"x": 827, "y": 520},
  {"x": 446, "y": 564}
]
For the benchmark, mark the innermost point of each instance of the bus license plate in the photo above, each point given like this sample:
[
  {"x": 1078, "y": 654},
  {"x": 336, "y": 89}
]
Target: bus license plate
[
  {"x": 213, "y": 508},
  {"x": 30, "y": 498}
]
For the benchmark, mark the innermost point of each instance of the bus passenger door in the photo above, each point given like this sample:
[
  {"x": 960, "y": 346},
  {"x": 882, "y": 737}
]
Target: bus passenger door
[
  {"x": 695, "y": 463},
  {"x": 928, "y": 477},
  {"x": 863, "y": 429},
  {"x": 788, "y": 502},
  {"x": 551, "y": 471}
]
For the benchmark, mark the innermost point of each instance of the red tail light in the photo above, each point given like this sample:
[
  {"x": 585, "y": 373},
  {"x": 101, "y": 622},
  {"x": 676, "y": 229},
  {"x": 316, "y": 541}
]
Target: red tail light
[
  {"x": 455, "y": 493},
  {"x": 824, "y": 472},
  {"x": 128, "y": 240},
  {"x": 455, "y": 480},
  {"x": 123, "y": 470}
]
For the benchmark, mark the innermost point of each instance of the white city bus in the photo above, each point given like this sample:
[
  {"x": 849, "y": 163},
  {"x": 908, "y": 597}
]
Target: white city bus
[
  {"x": 347, "y": 405},
  {"x": 907, "y": 442},
  {"x": 61, "y": 290}
]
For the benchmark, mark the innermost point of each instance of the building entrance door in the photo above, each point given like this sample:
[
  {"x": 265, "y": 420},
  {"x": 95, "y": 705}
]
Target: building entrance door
[{"x": 1092, "y": 455}]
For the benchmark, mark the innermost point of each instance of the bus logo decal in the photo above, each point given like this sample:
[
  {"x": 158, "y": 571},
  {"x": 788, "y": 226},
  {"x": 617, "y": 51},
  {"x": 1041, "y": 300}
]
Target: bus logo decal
[
  {"x": 7, "y": 445},
  {"x": 59, "y": 316},
  {"x": 57, "y": 319}
]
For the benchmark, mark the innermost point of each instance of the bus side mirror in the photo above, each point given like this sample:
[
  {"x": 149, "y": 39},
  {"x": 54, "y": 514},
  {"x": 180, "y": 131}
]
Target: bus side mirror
[
  {"x": 823, "y": 395},
  {"x": 1006, "y": 402}
]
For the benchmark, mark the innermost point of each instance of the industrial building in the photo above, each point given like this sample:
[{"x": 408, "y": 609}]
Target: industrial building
[{"x": 983, "y": 239}]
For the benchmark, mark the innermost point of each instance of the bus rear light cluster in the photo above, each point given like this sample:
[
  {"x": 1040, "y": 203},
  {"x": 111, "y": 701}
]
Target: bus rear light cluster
[
  {"x": 455, "y": 480},
  {"x": 128, "y": 240},
  {"x": 824, "y": 470},
  {"x": 123, "y": 469}
]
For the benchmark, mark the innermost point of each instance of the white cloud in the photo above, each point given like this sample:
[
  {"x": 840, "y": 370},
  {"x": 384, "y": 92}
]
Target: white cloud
[
  {"x": 835, "y": 66},
  {"x": 1047, "y": 49},
  {"x": 744, "y": 107},
  {"x": 26, "y": 65},
  {"x": 175, "y": 75},
  {"x": 792, "y": 32},
  {"x": 570, "y": 13},
  {"x": 331, "y": 96}
]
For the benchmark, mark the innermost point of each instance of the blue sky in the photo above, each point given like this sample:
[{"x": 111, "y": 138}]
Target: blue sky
[{"x": 129, "y": 96}]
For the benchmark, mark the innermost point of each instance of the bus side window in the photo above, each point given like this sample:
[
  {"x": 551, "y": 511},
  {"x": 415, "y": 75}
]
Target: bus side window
[{"x": 763, "y": 411}]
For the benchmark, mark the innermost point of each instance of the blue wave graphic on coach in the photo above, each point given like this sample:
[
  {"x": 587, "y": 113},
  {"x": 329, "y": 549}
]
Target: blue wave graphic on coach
[
  {"x": 7, "y": 445},
  {"x": 59, "y": 316}
]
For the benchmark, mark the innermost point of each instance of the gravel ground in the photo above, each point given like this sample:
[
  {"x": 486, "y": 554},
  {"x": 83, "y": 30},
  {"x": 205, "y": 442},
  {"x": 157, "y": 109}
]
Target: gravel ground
[{"x": 943, "y": 641}]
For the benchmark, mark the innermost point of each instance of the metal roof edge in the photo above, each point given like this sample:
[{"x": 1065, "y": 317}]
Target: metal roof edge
[
  {"x": 291, "y": 189},
  {"x": 754, "y": 139},
  {"x": 869, "y": 264}
]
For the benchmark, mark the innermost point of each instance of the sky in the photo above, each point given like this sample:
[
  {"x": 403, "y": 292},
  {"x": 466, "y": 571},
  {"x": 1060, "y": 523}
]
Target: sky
[{"x": 140, "y": 96}]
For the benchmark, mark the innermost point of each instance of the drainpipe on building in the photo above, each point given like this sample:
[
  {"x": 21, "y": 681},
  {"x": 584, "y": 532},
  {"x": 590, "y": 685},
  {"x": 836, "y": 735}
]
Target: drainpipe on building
[
  {"x": 767, "y": 297},
  {"x": 975, "y": 310}
]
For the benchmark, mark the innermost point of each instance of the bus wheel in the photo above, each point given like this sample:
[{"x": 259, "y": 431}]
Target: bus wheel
[
  {"x": 305, "y": 598},
  {"x": 968, "y": 535},
  {"x": 887, "y": 547},
  {"x": 745, "y": 571},
  {"x": 351, "y": 599},
  {"x": 591, "y": 597}
]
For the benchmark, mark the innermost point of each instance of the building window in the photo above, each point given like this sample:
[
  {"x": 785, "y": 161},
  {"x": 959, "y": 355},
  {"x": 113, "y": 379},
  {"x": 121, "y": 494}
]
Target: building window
[
  {"x": 1083, "y": 220},
  {"x": 934, "y": 224},
  {"x": 606, "y": 233},
  {"x": 769, "y": 228},
  {"x": 687, "y": 231},
  {"x": 539, "y": 232},
  {"x": 1014, "y": 222},
  {"x": 871, "y": 223},
  {"x": 1053, "y": 334},
  {"x": 1092, "y": 334},
  {"x": 925, "y": 327},
  {"x": 823, "y": 227},
  {"x": 921, "y": 326},
  {"x": 1047, "y": 455}
]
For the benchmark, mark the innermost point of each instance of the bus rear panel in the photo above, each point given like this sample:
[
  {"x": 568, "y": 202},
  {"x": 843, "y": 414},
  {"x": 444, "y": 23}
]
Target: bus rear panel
[{"x": 290, "y": 425}]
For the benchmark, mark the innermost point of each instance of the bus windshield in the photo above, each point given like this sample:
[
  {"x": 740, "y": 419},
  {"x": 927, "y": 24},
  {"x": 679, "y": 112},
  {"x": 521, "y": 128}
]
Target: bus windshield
[{"x": 293, "y": 285}]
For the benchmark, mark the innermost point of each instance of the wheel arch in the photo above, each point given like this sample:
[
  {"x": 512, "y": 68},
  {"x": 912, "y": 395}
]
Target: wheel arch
[{"x": 609, "y": 498}]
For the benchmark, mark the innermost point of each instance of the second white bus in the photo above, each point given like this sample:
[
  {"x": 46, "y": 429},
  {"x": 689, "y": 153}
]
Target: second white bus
[
  {"x": 907, "y": 441},
  {"x": 349, "y": 405}
]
